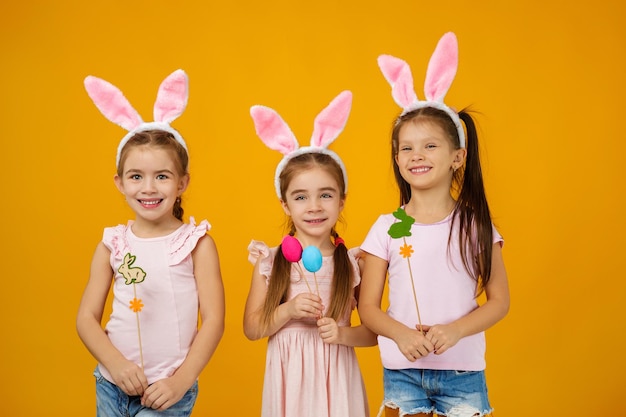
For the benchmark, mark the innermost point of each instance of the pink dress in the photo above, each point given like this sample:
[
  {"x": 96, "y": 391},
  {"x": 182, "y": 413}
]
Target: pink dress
[{"x": 305, "y": 377}]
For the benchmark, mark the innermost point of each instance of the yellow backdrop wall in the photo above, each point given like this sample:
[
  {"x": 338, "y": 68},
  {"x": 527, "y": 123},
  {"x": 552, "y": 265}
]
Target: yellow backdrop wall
[{"x": 547, "y": 78}]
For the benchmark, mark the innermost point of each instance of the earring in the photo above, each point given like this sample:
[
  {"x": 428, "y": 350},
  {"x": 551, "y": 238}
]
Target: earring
[{"x": 177, "y": 200}]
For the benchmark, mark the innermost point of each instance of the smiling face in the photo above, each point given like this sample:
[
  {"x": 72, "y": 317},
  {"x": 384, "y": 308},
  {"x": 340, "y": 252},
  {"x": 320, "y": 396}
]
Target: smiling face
[
  {"x": 151, "y": 182},
  {"x": 314, "y": 202},
  {"x": 425, "y": 156}
]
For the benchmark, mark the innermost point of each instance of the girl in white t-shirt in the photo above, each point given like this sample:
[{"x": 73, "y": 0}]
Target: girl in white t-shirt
[{"x": 439, "y": 250}]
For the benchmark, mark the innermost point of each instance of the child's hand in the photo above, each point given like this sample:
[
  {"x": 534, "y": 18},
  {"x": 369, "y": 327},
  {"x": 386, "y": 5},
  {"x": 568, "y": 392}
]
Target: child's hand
[
  {"x": 413, "y": 344},
  {"x": 129, "y": 377},
  {"x": 443, "y": 337},
  {"x": 163, "y": 394},
  {"x": 328, "y": 330},
  {"x": 305, "y": 305}
]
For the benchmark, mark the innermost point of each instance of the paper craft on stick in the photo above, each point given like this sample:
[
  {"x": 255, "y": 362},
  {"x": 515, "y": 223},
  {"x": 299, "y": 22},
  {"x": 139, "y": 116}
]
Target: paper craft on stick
[{"x": 402, "y": 229}]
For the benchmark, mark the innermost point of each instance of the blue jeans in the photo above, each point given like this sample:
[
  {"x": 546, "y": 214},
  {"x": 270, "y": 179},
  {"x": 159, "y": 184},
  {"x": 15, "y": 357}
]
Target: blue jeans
[
  {"x": 447, "y": 393},
  {"x": 113, "y": 402}
]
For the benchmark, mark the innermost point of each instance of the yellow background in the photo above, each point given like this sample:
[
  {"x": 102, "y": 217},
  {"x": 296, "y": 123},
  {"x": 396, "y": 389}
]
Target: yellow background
[{"x": 547, "y": 77}]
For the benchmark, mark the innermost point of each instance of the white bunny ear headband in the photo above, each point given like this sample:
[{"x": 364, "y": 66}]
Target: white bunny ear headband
[
  {"x": 277, "y": 135},
  {"x": 170, "y": 103},
  {"x": 439, "y": 76}
]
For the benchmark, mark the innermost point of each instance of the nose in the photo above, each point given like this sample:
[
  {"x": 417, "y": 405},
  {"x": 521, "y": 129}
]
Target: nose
[
  {"x": 149, "y": 186},
  {"x": 416, "y": 156},
  {"x": 314, "y": 204}
]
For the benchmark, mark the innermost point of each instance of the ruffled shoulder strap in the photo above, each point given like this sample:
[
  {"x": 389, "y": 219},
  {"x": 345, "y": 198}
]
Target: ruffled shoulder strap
[
  {"x": 259, "y": 252},
  {"x": 185, "y": 241},
  {"x": 114, "y": 238},
  {"x": 354, "y": 254}
]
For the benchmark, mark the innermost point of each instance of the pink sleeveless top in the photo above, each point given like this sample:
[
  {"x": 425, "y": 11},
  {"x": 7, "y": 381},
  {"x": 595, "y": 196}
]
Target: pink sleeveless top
[{"x": 155, "y": 301}]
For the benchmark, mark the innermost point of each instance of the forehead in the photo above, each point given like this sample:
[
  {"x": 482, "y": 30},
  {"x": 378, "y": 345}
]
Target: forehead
[
  {"x": 313, "y": 179},
  {"x": 421, "y": 129},
  {"x": 148, "y": 156}
]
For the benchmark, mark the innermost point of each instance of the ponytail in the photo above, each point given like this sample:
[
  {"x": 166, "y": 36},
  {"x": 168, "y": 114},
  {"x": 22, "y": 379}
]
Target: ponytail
[
  {"x": 278, "y": 286},
  {"x": 472, "y": 211},
  {"x": 343, "y": 276},
  {"x": 177, "y": 210}
]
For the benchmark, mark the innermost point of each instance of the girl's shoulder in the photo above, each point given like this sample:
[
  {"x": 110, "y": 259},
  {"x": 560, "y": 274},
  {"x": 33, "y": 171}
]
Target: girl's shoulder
[
  {"x": 184, "y": 240},
  {"x": 382, "y": 222},
  {"x": 180, "y": 243},
  {"x": 114, "y": 239},
  {"x": 259, "y": 252}
]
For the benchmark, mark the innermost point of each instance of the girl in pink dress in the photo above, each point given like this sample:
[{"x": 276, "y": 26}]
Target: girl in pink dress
[{"x": 304, "y": 307}]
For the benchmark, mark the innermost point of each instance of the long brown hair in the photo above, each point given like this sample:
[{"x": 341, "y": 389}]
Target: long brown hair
[
  {"x": 343, "y": 274},
  {"x": 471, "y": 209},
  {"x": 163, "y": 140}
]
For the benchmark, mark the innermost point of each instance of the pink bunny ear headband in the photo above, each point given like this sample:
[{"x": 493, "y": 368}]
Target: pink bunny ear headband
[
  {"x": 277, "y": 135},
  {"x": 439, "y": 76},
  {"x": 170, "y": 103}
]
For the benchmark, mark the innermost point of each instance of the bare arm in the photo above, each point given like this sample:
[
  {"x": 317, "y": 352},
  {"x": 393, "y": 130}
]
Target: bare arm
[
  {"x": 357, "y": 336},
  {"x": 411, "y": 342},
  {"x": 493, "y": 310},
  {"x": 126, "y": 375},
  {"x": 165, "y": 393},
  {"x": 302, "y": 306}
]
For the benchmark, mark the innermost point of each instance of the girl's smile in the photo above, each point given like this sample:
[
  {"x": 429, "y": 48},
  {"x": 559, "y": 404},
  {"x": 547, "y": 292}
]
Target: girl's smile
[{"x": 150, "y": 203}]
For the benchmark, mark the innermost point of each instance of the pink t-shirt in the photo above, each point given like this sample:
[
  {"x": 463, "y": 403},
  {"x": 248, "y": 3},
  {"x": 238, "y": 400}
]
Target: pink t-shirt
[
  {"x": 444, "y": 290},
  {"x": 155, "y": 299}
]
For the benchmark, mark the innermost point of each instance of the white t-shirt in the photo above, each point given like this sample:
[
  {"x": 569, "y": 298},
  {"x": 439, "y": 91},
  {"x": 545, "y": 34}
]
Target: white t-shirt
[{"x": 444, "y": 290}]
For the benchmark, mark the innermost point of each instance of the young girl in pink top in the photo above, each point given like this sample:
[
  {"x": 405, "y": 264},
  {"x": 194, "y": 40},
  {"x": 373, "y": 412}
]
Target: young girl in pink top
[
  {"x": 439, "y": 251},
  {"x": 163, "y": 271},
  {"x": 302, "y": 299}
]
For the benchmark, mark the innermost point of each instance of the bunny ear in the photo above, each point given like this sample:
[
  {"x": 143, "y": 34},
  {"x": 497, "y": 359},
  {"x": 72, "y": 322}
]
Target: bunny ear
[
  {"x": 442, "y": 68},
  {"x": 172, "y": 97},
  {"x": 398, "y": 74},
  {"x": 331, "y": 121},
  {"x": 112, "y": 103},
  {"x": 273, "y": 130}
]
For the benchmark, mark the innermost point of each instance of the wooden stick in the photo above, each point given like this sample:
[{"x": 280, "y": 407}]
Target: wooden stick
[
  {"x": 138, "y": 327},
  {"x": 419, "y": 319}
]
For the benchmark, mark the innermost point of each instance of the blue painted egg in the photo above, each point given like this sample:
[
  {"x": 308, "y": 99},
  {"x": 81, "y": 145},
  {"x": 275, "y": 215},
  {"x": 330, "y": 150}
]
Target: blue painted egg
[{"x": 312, "y": 258}]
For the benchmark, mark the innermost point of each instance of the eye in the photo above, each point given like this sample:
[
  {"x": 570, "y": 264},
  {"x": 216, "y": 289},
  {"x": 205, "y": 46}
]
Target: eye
[
  {"x": 162, "y": 177},
  {"x": 326, "y": 195},
  {"x": 405, "y": 148},
  {"x": 135, "y": 177},
  {"x": 431, "y": 146},
  {"x": 299, "y": 197}
]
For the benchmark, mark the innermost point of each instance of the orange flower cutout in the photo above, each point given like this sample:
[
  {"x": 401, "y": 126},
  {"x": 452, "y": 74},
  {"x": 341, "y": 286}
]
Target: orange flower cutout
[
  {"x": 136, "y": 305},
  {"x": 406, "y": 251}
]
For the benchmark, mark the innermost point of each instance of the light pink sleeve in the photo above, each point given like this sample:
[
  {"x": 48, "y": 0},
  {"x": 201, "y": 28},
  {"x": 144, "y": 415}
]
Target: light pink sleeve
[
  {"x": 353, "y": 255},
  {"x": 259, "y": 252},
  {"x": 185, "y": 242},
  {"x": 115, "y": 240}
]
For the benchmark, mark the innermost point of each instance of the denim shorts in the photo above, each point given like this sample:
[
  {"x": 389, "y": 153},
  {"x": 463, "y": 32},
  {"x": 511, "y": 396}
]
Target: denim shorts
[
  {"x": 111, "y": 401},
  {"x": 447, "y": 393}
]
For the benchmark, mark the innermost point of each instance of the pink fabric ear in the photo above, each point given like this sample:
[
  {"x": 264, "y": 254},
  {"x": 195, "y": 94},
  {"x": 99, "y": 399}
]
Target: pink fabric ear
[
  {"x": 172, "y": 97},
  {"x": 273, "y": 130},
  {"x": 112, "y": 103},
  {"x": 331, "y": 121},
  {"x": 442, "y": 68},
  {"x": 398, "y": 74}
]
